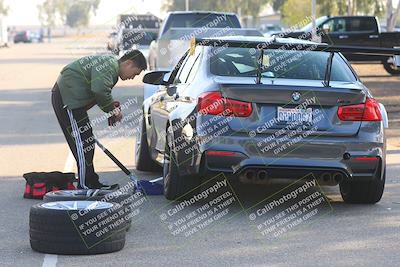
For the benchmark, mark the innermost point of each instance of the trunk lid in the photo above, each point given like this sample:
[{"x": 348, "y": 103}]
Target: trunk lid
[{"x": 274, "y": 107}]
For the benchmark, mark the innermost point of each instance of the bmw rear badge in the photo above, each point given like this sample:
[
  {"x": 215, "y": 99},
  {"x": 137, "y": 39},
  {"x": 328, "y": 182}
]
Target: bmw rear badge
[{"x": 296, "y": 96}]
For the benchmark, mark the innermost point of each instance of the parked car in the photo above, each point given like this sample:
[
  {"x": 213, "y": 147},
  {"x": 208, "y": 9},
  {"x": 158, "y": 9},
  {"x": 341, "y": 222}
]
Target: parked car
[
  {"x": 233, "y": 83},
  {"x": 179, "y": 28},
  {"x": 136, "y": 39},
  {"x": 26, "y": 37},
  {"x": 133, "y": 32},
  {"x": 355, "y": 31}
]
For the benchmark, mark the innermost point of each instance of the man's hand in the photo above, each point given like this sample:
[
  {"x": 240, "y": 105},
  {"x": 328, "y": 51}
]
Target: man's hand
[{"x": 117, "y": 114}]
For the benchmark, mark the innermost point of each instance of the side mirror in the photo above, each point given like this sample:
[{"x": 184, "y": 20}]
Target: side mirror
[
  {"x": 171, "y": 90},
  {"x": 155, "y": 77}
]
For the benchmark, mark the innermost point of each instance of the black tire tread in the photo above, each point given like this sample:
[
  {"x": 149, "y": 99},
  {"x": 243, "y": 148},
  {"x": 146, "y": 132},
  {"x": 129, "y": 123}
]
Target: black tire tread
[
  {"x": 53, "y": 231},
  {"x": 363, "y": 192},
  {"x": 76, "y": 249},
  {"x": 144, "y": 162},
  {"x": 180, "y": 187},
  {"x": 390, "y": 70}
]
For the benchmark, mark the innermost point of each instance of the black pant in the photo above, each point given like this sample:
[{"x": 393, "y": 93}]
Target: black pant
[{"x": 77, "y": 130}]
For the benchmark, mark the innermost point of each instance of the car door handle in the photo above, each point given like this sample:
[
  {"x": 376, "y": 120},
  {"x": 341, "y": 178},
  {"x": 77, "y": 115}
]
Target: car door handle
[
  {"x": 343, "y": 36},
  {"x": 373, "y": 36}
]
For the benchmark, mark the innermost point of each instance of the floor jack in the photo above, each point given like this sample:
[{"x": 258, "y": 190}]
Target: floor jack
[{"x": 152, "y": 187}]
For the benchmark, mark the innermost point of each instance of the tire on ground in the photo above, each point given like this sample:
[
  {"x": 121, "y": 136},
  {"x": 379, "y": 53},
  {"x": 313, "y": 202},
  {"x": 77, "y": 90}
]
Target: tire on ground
[
  {"x": 77, "y": 227},
  {"x": 363, "y": 192},
  {"x": 176, "y": 186}
]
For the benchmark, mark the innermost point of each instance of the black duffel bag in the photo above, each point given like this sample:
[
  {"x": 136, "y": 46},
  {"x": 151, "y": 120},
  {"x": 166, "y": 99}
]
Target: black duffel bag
[{"x": 40, "y": 183}]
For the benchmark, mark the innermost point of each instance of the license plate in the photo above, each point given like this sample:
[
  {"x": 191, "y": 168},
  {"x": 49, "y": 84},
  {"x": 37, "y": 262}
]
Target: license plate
[{"x": 289, "y": 115}]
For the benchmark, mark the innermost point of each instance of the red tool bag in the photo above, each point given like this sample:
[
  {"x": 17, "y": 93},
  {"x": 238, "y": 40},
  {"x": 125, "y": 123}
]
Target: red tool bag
[{"x": 39, "y": 183}]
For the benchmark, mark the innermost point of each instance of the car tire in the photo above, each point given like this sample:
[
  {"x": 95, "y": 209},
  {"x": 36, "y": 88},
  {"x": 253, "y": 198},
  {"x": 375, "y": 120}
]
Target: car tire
[
  {"x": 54, "y": 230},
  {"x": 144, "y": 162},
  {"x": 363, "y": 192},
  {"x": 390, "y": 68},
  {"x": 176, "y": 186},
  {"x": 122, "y": 198}
]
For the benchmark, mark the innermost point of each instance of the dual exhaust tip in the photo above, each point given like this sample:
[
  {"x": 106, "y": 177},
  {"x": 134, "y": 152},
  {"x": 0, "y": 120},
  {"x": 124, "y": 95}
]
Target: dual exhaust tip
[
  {"x": 256, "y": 174},
  {"x": 327, "y": 177},
  {"x": 332, "y": 178}
]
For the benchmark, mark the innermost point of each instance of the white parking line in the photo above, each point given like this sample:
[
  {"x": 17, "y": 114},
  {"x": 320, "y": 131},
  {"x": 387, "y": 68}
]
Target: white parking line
[
  {"x": 50, "y": 260},
  {"x": 69, "y": 163}
]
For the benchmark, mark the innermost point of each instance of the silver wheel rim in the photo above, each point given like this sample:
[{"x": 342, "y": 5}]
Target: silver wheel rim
[
  {"x": 390, "y": 61},
  {"x": 77, "y": 205},
  {"x": 166, "y": 164},
  {"x": 79, "y": 192},
  {"x": 138, "y": 140},
  {"x": 166, "y": 171},
  {"x": 70, "y": 192}
]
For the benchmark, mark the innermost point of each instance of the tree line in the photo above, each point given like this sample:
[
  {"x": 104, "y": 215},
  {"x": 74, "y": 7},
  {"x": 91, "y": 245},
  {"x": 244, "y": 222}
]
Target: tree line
[
  {"x": 70, "y": 13},
  {"x": 77, "y": 13}
]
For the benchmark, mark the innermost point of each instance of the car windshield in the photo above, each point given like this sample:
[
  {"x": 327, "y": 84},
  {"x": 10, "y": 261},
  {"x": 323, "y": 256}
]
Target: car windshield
[
  {"x": 202, "y": 20},
  {"x": 318, "y": 22},
  {"x": 278, "y": 63}
]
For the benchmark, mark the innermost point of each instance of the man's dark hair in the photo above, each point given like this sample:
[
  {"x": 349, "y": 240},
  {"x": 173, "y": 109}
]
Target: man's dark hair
[{"x": 137, "y": 57}]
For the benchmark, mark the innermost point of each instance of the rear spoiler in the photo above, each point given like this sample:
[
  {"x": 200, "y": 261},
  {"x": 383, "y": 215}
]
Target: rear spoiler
[
  {"x": 363, "y": 50},
  {"x": 301, "y": 46}
]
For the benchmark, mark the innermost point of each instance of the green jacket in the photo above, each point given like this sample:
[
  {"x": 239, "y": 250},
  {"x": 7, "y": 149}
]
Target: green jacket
[{"x": 89, "y": 80}]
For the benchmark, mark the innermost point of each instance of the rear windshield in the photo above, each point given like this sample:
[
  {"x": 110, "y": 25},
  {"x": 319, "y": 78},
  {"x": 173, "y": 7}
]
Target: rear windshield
[
  {"x": 200, "y": 20},
  {"x": 130, "y": 38},
  {"x": 285, "y": 64}
]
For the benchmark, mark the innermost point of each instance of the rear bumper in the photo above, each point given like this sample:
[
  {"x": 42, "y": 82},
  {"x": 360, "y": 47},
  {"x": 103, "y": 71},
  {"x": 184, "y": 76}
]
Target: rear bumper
[
  {"x": 296, "y": 168},
  {"x": 355, "y": 159}
]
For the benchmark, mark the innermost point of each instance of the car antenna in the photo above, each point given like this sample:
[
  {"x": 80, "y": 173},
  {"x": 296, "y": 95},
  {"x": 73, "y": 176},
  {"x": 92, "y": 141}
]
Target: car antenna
[
  {"x": 259, "y": 63},
  {"x": 328, "y": 70}
]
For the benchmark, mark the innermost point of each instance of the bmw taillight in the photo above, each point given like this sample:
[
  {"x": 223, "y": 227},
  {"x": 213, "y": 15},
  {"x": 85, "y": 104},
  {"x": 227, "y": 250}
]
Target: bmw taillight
[
  {"x": 213, "y": 103},
  {"x": 368, "y": 111}
]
